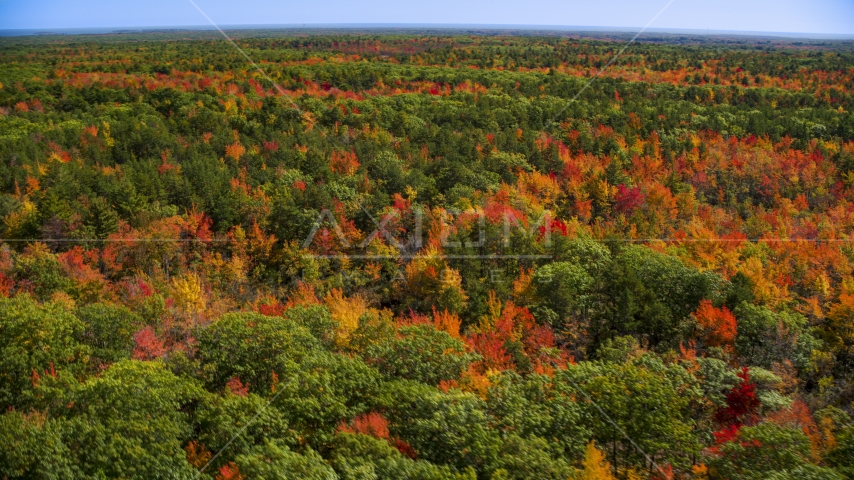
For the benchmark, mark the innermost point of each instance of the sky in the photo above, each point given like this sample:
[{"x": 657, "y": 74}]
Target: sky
[{"x": 796, "y": 16}]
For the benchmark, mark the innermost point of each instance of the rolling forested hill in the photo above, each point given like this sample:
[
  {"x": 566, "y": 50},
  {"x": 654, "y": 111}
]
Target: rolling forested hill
[{"x": 389, "y": 256}]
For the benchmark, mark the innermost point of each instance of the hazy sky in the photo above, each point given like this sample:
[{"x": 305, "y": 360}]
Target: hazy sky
[{"x": 816, "y": 16}]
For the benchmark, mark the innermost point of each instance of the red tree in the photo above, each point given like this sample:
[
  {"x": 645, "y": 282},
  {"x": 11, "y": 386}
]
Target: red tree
[
  {"x": 742, "y": 406},
  {"x": 627, "y": 199}
]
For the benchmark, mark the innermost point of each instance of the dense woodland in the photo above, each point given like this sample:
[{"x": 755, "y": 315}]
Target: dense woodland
[{"x": 416, "y": 257}]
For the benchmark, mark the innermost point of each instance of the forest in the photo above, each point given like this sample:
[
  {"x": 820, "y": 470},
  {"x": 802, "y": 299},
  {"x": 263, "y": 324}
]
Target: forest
[{"x": 425, "y": 256}]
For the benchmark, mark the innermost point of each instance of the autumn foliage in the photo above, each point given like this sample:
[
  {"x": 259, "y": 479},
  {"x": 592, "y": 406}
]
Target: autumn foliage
[{"x": 434, "y": 256}]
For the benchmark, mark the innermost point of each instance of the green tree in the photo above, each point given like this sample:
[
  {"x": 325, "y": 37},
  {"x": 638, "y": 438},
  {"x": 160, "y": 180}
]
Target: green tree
[
  {"x": 42, "y": 272},
  {"x": 130, "y": 422},
  {"x": 841, "y": 456},
  {"x": 315, "y": 389},
  {"x": 357, "y": 456},
  {"x": 252, "y": 347},
  {"x": 420, "y": 353},
  {"x": 651, "y": 294},
  {"x": 765, "y": 337},
  {"x": 274, "y": 460},
  {"x": 102, "y": 219},
  {"x": 444, "y": 428},
  {"x": 220, "y": 417},
  {"x": 643, "y": 400},
  {"x": 108, "y": 330},
  {"x": 766, "y": 450},
  {"x": 36, "y": 340},
  {"x": 564, "y": 291},
  {"x": 318, "y": 321},
  {"x": 531, "y": 457},
  {"x": 536, "y": 406},
  {"x": 31, "y": 446}
]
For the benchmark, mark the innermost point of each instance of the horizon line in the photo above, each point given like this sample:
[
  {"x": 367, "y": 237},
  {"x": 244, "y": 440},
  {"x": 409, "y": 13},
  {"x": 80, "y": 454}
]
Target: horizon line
[{"x": 118, "y": 30}]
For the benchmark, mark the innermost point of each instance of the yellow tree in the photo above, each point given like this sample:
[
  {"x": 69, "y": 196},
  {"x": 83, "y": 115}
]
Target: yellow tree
[
  {"x": 345, "y": 311},
  {"x": 595, "y": 465}
]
